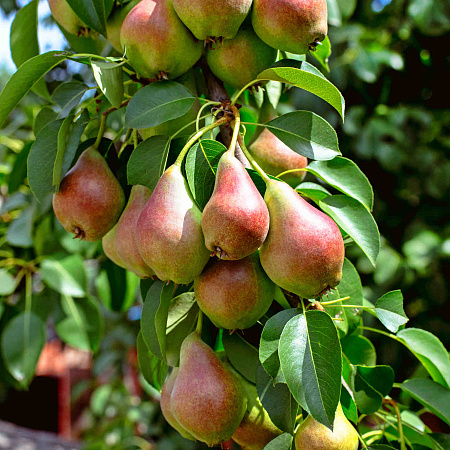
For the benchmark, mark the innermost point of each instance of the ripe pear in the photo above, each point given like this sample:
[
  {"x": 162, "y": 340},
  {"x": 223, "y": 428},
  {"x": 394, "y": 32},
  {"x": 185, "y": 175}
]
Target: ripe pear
[
  {"x": 312, "y": 435},
  {"x": 66, "y": 17},
  {"x": 109, "y": 247},
  {"x": 156, "y": 42},
  {"x": 125, "y": 239},
  {"x": 294, "y": 26},
  {"x": 235, "y": 220},
  {"x": 241, "y": 59},
  {"x": 115, "y": 21},
  {"x": 90, "y": 199},
  {"x": 304, "y": 250},
  {"x": 169, "y": 233},
  {"x": 207, "y": 21},
  {"x": 274, "y": 157},
  {"x": 208, "y": 400},
  {"x": 234, "y": 294},
  {"x": 166, "y": 407}
]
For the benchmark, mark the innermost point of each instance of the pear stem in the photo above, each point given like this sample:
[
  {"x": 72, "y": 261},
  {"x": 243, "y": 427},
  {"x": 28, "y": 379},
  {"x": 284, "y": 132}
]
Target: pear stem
[
  {"x": 361, "y": 440},
  {"x": 252, "y": 161},
  {"x": 197, "y": 120},
  {"x": 125, "y": 141},
  {"x": 290, "y": 171},
  {"x": 236, "y": 96},
  {"x": 199, "y": 322},
  {"x": 236, "y": 127},
  {"x": 187, "y": 126},
  {"x": 101, "y": 131},
  {"x": 334, "y": 301}
]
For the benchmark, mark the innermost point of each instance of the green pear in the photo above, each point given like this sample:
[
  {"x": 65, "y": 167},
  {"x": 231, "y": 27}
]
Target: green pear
[
  {"x": 156, "y": 42},
  {"x": 235, "y": 220},
  {"x": 169, "y": 233},
  {"x": 234, "y": 294},
  {"x": 312, "y": 435},
  {"x": 66, "y": 17},
  {"x": 115, "y": 21},
  {"x": 294, "y": 26},
  {"x": 304, "y": 250},
  {"x": 207, "y": 21},
  {"x": 125, "y": 239},
  {"x": 109, "y": 247},
  {"x": 241, "y": 59},
  {"x": 274, "y": 157},
  {"x": 207, "y": 400},
  {"x": 90, "y": 199}
]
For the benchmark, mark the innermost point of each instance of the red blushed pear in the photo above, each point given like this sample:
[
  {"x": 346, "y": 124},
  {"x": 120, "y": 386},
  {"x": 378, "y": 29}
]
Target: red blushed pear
[
  {"x": 235, "y": 220},
  {"x": 304, "y": 250},
  {"x": 169, "y": 233},
  {"x": 90, "y": 199},
  {"x": 156, "y": 42},
  {"x": 115, "y": 21}
]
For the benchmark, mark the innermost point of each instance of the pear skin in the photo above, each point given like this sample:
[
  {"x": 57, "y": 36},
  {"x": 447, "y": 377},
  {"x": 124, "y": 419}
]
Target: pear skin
[
  {"x": 66, "y": 17},
  {"x": 169, "y": 233},
  {"x": 312, "y": 435},
  {"x": 90, "y": 199},
  {"x": 109, "y": 247},
  {"x": 304, "y": 250},
  {"x": 125, "y": 239},
  {"x": 234, "y": 294},
  {"x": 115, "y": 21},
  {"x": 275, "y": 157},
  {"x": 208, "y": 400},
  {"x": 240, "y": 60},
  {"x": 294, "y": 26},
  {"x": 156, "y": 42},
  {"x": 235, "y": 220}
]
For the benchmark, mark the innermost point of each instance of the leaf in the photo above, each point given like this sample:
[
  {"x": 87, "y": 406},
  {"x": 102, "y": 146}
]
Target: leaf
[
  {"x": 311, "y": 360},
  {"x": 242, "y": 355},
  {"x": 277, "y": 401},
  {"x": 389, "y": 310},
  {"x": 270, "y": 338},
  {"x": 306, "y": 133},
  {"x": 109, "y": 77},
  {"x": 91, "y": 12},
  {"x": 26, "y": 76},
  {"x": 7, "y": 283},
  {"x": 22, "y": 341},
  {"x": 43, "y": 117},
  {"x": 431, "y": 395},
  {"x": 344, "y": 175},
  {"x": 282, "y": 442},
  {"x": 62, "y": 143},
  {"x": 68, "y": 95},
  {"x": 307, "y": 77},
  {"x": 153, "y": 369},
  {"x": 157, "y": 103},
  {"x": 359, "y": 350},
  {"x": 323, "y": 53},
  {"x": 430, "y": 351},
  {"x": 313, "y": 191},
  {"x": 148, "y": 161},
  {"x": 356, "y": 221},
  {"x": 349, "y": 406},
  {"x": 19, "y": 233},
  {"x": 66, "y": 276}
]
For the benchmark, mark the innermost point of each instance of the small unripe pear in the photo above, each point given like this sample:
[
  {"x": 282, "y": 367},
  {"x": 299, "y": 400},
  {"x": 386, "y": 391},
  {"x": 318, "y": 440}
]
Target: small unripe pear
[
  {"x": 115, "y": 21},
  {"x": 66, "y": 17},
  {"x": 109, "y": 247}
]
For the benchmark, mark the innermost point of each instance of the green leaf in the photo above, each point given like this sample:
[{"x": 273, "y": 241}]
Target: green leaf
[
  {"x": 92, "y": 12},
  {"x": 19, "y": 233},
  {"x": 157, "y": 103},
  {"x": 431, "y": 395},
  {"x": 356, "y": 221},
  {"x": 359, "y": 350},
  {"x": 66, "y": 276},
  {"x": 313, "y": 191},
  {"x": 68, "y": 95},
  {"x": 381, "y": 447},
  {"x": 344, "y": 175},
  {"x": 242, "y": 355},
  {"x": 62, "y": 143},
  {"x": 389, "y": 310},
  {"x": 109, "y": 77},
  {"x": 282, "y": 442},
  {"x": 307, "y": 77},
  {"x": 43, "y": 117},
  {"x": 323, "y": 53},
  {"x": 148, "y": 161},
  {"x": 22, "y": 341},
  {"x": 307, "y": 134},
  {"x": 430, "y": 351},
  {"x": 153, "y": 369},
  {"x": 270, "y": 338},
  {"x": 201, "y": 166},
  {"x": 7, "y": 283},
  {"x": 19, "y": 170},
  {"x": 28, "y": 74},
  {"x": 349, "y": 406},
  {"x": 311, "y": 361},
  {"x": 370, "y": 385},
  {"x": 277, "y": 401}
]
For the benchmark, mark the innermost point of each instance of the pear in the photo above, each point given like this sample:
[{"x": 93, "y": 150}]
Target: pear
[
  {"x": 166, "y": 407},
  {"x": 235, "y": 220},
  {"x": 294, "y": 26},
  {"x": 312, "y": 435},
  {"x": 115, "y": 21},
  {"x": 304, "y": 250},
  {"x": 207, "y": 400},
  {"x": 156, "y": 42},
  {"x": 66, "y": 17},
  {"x": 274, "y": 157},
  {"x": 169, "y": 233},
  {"x": 125, "y": 239},
  {"x": 109, "y": 247},
  {"x": 90, "y": 199},
  {"x": 207, "y": 21},
  {"x": 234, "y": 294},
  {"x": 241, "y": 59}
]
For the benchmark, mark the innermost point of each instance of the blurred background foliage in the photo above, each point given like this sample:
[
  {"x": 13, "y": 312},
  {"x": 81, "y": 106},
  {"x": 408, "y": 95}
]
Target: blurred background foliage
[{"x": 390, "y": 61}]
